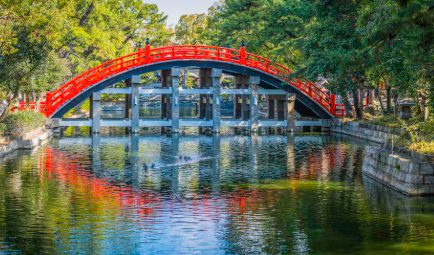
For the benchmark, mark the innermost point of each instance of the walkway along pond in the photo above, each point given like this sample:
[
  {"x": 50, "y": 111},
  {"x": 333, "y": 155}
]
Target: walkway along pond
[{"x": 205, "y": 195}]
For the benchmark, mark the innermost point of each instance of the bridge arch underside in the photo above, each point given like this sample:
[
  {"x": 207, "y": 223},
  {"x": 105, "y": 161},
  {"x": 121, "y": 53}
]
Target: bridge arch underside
[{"x": 304, "y": 105}]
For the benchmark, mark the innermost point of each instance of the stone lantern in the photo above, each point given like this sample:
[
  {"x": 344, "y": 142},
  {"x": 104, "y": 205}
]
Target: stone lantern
[{"x": 405, "y": 109}]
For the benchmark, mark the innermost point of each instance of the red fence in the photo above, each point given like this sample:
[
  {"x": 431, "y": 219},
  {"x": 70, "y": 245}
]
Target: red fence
[{"x": 72, "y": 88}]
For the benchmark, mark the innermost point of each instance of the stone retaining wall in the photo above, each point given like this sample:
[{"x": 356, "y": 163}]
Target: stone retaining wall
[
  {"x": 28, "y": 141},
  {"x": 410, "y": 175},
  {"x": 403, "y": 170},
  {"x": 373, "y": 133}
]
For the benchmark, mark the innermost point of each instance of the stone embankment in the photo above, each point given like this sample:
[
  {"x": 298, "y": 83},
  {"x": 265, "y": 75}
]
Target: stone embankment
[
  {"x": 406, "y": 171},
  {"x": 29, "y": 140},
  {"x": 410, "y": 174},
  {"x": 373, "y": 133}
]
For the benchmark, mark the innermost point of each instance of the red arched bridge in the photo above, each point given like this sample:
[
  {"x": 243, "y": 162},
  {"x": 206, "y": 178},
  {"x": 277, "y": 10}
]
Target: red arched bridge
[{"x": 147, "y": 59}]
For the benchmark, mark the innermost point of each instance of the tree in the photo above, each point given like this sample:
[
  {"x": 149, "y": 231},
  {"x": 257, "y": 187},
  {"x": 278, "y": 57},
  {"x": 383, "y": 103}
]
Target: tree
[
  {"x": 97, "y": 31},
  {"x": 43, "y": 43},
  {"x": 399, "y": 36},
  {"x": 191, "y": 29},
  {"x": 333, "y": 49},
  {"x": 270, "y": 28},
  {"x": 25, "y": 45}
]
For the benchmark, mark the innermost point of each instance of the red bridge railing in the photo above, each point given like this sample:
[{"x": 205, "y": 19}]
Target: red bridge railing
[{"x": 55, "y": 99}]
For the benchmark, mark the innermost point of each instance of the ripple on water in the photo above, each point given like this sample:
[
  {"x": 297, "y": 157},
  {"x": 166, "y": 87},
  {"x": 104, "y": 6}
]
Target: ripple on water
[{"x": 204, "y": 195}]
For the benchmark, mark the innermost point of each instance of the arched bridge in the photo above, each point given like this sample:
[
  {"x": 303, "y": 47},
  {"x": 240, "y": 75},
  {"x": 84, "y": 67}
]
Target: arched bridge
[{"x": 272, "y": 75}]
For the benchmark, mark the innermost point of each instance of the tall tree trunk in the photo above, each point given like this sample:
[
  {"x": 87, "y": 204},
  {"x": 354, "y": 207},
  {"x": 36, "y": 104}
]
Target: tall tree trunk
[
  {"x": 380, "y": 99},
  {"x": 10, "y": 101},
  {"x": 38, "y": 99},
  {"x": 389, "y": 99},
  {"x": 358, "y": 104},
  {"x": 425, "y": 104},
  {"x": 348, "y": 106},
  {"x": 419, "y": 105},
  {"x": 371, "y": 96},
  {"x": 85, "y": 16}
]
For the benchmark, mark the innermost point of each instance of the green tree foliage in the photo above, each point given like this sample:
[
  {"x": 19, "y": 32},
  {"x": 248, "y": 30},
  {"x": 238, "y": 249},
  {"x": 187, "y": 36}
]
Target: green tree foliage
[
  {"x": 270, "y": 28},
  {"x": 42, "y": 43},
  {"x": 355, "y": 45},
  {"x": 191, "y": 29},
  {"x": 97, "y": 31},
  {"x": 399, "y": 37},
  {"x": 334, "y": 48},
  {"x": 26, "y": 57}
]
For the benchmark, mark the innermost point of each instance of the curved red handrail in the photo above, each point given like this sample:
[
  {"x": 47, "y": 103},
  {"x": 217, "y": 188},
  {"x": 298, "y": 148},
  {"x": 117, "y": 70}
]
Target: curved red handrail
[{"x": 72, "y": 88}]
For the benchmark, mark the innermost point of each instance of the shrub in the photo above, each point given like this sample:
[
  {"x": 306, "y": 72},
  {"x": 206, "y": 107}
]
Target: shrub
[
  {"x": 418, "y": 135},
  {"x": 383, "y": 120},
  {"x": 423, "y": 147},
  {"x": 17, "y": 124}
]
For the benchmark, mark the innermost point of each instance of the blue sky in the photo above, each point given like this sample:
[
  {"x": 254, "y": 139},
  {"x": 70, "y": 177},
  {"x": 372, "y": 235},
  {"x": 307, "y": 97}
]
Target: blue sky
[{"x": 175, "y": 8}]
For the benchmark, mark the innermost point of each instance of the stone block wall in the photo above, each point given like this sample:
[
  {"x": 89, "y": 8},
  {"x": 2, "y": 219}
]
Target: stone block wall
[
  {"x": 412, "y": 175},
  {"x": 28, "y": 141},
  {"x": 373, "y": 133}
]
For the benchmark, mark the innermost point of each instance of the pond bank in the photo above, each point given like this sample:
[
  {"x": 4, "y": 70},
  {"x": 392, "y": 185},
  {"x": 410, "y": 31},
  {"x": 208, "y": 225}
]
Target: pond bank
[
  {"x": 407, "y": 171},
  {"x": 29, "y": 140}
]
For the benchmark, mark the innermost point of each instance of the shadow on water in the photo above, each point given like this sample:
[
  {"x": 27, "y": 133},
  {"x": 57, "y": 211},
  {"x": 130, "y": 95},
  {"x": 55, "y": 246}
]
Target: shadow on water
[{"x": 204, "y": 194}]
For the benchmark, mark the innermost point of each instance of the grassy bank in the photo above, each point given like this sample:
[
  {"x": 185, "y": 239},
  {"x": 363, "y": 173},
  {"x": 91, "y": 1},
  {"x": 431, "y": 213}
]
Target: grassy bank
[
  {"x": 17, "y": 124},
  {"x": 418, "y": 135}
]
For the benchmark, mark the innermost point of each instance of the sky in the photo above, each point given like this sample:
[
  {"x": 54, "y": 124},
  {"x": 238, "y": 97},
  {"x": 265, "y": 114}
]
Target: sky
[{"x": 175, "y": 8}]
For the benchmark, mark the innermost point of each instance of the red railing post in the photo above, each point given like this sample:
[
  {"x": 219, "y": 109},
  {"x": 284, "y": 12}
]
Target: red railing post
[
  {"x": 48, "y": 97},
  {"x": 309, "y": 89},
  {"x": 227, "y": 52},
  {"x": 333, "y": 104},
  {"x": 243, "y": 53},
  {"x": 147, "y": 52}
]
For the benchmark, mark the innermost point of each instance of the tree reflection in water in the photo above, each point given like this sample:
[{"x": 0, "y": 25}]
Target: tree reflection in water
[{"x": 237, "y": 195}]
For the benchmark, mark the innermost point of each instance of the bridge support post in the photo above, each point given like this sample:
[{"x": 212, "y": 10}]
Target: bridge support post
[
  {"x": 245, "y": 99},
  {"x": 205, "y": 107},
  {"x": 240, "y": 101},
  {"x": 270, "y": 107},
  {"x": 135, "y": 103},
  {"x": 290, "y": 113},
  {"x": 216, "y": 84},
  {"x": 127, "y": 114},
  {"x": 128, "y": 84},
  {"x": 95, "y": 111},
  {"x": 270, "y": 110},
  {"x": 165, "y": 99},
  {"x": 175, "y": 100},
  {"x": 276, "y": 108},
  {"x": 254, "y": 103}
]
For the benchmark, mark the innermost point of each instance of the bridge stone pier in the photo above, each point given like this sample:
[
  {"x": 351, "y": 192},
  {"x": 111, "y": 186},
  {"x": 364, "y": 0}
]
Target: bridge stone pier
[{"x": 254, "y": 108}]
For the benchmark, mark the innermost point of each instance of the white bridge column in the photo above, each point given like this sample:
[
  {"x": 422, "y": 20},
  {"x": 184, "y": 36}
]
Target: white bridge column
[
  {"x": 175, "y": 100},
  {"x": 290, "y": 113},
  {"x": 95, "y": 111},
  {"x": 135, "y": 103},
  {"x": 244, "y": 99},
  {"x": 216, "y": 75},
  {"x": 254, "y": 103}
]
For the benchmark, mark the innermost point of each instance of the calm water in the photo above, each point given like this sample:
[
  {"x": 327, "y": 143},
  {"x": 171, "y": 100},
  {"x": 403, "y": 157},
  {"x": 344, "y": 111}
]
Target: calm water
[{"x": 204, "y": 195}]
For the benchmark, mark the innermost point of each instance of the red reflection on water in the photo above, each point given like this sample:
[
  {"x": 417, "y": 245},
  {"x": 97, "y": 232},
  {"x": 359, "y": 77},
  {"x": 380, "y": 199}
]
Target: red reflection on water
[{"x": 62, "y": 167}]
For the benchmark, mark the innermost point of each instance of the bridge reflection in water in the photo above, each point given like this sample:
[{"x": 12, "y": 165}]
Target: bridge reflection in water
[{"x": 226, "y": 194}]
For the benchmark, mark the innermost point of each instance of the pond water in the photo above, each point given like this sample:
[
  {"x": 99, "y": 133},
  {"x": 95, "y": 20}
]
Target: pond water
[{"x": 204, "y": 195}]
